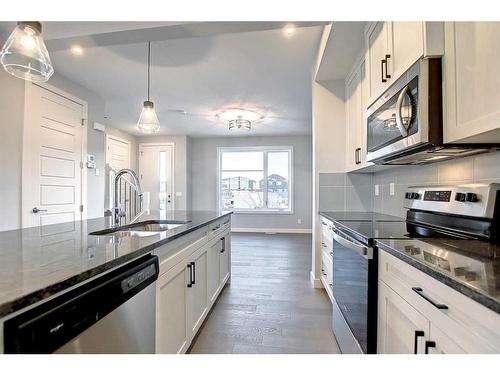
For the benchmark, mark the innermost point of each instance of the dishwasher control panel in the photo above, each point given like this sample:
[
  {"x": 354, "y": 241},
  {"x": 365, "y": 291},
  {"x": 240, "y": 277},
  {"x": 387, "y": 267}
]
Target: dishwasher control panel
[{"x": 138, "y": 278}]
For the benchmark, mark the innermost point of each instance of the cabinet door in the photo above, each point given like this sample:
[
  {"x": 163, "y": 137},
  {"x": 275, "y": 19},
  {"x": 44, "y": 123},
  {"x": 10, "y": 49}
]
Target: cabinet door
[
  {"x": 377, "y": 40},
  {"x": 407, "y": 46},
  {"x": 472, "y": 63},
  {"x": 197, "y": 295},
  {"x": 225, "y": 259},
  {"x": 441, "y": 343},
  {"x": 171, "y": 311},
  {"x": 214, "y": 270},
  {"x": 354, "y": 105},
  {"x": 401, "y": 328}
]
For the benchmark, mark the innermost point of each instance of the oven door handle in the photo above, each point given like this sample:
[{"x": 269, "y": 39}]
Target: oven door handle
[
  {"x": 365, "y": 251},
  {"x": 399, "y": 108}
]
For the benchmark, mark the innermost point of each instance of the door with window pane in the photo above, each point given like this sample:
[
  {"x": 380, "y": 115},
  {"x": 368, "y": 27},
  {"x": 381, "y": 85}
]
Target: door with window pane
[
  {"x": 255, "y": 179},
  {"x": 156, "y": 174}
]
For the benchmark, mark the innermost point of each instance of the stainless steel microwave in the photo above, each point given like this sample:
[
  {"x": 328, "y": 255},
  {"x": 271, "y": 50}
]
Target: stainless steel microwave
[{"x": 405, "y": 125}]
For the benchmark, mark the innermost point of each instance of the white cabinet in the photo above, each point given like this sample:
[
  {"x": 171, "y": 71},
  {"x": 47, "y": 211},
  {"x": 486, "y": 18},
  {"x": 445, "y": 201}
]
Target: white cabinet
[
  {"x": 393, "y": 47},
  {"x": 377, "y": 43},
  {"x": 411, "y": 314},
  {"x": 197, "y": 295},
  {"x": 401, "y": 329},
  {"x": 191, "y": 278},
  {"x": 356, "y": 105},
  {"x": 225, "y": 259},
  {"x": 171, "y": 313},
  {"x": 214, "y": 270},
  {"x": 472, "y": 81}
]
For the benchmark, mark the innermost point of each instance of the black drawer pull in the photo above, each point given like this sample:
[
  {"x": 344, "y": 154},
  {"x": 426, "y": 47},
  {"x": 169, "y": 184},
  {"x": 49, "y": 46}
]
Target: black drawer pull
[
  {"x": 429, "y": 344},
  {"x": 382, "y": 62},
  {"x": 420, "y": 292},
  {"x": 190, "y": 268},
  {"x": 194, "y": 272},
  {"x": 417, "y": 335},
  {"x": 223, "y": 239},
  {"x": 387, "y": 57}
]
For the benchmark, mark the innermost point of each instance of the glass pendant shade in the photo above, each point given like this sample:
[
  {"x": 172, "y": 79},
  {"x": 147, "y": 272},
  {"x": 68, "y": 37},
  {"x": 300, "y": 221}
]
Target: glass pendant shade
[
  {"x": 148, "y": 121},
  {"x": 24, "y": 54}
]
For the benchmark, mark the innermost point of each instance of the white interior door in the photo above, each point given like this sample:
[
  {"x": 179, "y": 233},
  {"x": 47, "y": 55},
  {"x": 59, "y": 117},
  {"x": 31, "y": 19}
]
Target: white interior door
[
  {"x": 156, "y": 174},
  {"x": 117, "y": 153},
  {"x": 52, "y": 158}
]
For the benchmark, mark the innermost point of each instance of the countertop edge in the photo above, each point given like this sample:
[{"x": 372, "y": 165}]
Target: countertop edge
[
  {"x": 467, "y": 291},
  {"x": 32, "y": 298}
]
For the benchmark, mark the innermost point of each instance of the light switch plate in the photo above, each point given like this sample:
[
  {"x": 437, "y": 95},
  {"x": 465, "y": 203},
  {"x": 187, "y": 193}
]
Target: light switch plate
[
  {"x": 377, "y": 190},
  {"x": 391, "y": 188},
  {"x": 178, "y": 193}
]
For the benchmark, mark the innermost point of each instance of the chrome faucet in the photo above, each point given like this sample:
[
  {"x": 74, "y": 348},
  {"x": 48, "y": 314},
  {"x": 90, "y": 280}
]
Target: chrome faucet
[{"x": 117, "y": 212}]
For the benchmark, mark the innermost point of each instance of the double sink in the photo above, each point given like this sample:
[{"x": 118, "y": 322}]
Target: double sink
[{"x": 141, "y": 229}]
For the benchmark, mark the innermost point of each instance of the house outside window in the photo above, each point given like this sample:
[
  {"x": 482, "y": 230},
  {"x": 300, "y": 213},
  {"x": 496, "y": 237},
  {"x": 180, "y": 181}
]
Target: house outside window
[{"x": 255, "y": 179}]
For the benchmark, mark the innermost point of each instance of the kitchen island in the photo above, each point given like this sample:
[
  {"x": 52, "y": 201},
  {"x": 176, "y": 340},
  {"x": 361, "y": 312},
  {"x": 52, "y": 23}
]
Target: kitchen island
[{"x": 42, "y": 262}]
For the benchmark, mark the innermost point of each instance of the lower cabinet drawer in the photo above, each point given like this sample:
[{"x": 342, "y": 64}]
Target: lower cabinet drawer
[
  {"x": 473, "y": 327},
  {"x": 327, "y": 268}
]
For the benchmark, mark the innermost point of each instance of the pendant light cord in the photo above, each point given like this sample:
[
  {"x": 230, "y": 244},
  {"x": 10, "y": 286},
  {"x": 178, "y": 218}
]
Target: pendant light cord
[{"x": 149, "y": 66}]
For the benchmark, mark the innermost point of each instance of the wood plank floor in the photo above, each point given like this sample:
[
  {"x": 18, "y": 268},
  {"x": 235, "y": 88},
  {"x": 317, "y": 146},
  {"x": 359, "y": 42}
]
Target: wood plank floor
[{"x": 270, "y": 306}]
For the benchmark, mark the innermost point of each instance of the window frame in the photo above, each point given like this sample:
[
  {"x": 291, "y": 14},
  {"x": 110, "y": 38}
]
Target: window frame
[{"x": 265, "y": 150}]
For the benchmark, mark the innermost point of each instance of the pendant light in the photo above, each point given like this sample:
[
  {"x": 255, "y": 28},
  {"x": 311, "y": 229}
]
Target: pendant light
[
  {"x": 24, "y": 54},
  {"x": 148, "y": 121}
]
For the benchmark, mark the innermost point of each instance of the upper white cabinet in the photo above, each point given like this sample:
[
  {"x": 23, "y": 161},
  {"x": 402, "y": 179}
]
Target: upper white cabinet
[
  {"x": 392, "y": 47},
  {"x": 472, "y": 81},
  {"x": 377, "y": 40},
  {"x": 356, "y": 99}
]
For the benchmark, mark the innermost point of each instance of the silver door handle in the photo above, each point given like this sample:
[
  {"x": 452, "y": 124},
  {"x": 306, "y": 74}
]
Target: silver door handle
[
  {"x": 364, "y": 251},
  {"x": 36, "y": 210},
  {"x": 399, "y": 116}
]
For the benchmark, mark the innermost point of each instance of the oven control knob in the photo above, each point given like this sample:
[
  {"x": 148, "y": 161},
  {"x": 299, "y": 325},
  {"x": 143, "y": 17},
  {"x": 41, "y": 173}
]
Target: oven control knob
[
  {"x": 460, "y": 197},
  {"x": 471, "y": 197}
]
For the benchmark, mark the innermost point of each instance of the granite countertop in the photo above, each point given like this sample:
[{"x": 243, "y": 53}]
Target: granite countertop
[
  {"x": 471, "y": 267},
  {"x": 38, "y": 262}
]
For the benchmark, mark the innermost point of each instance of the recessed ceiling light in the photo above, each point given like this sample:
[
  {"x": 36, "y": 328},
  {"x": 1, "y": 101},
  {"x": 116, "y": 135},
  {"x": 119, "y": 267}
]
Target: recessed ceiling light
[
  {"x": 289, "y": 30},
  {"x": 76, "y": 50}
]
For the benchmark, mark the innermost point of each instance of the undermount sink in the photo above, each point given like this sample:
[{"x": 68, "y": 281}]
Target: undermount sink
[{"x": 142, "y": 229}]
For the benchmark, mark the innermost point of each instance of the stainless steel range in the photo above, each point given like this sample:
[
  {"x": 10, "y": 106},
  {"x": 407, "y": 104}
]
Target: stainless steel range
[{"x": 438, "y": 218}]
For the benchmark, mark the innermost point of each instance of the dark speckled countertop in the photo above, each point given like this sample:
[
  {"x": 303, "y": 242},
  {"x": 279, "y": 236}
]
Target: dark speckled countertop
[{"x": 38, "y": 262}]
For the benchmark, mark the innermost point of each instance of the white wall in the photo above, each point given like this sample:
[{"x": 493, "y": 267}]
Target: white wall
[
  {"x": 11, "y": 130},
  {"x": 182, "y": 177},
  {"x": 329, "y": 150},
  {"x": 204, "y": 163}
]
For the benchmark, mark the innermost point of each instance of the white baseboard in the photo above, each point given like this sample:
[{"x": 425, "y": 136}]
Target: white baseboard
[
  {"x": 272, "y": 230},
  {"x": 316, "y": 283}
]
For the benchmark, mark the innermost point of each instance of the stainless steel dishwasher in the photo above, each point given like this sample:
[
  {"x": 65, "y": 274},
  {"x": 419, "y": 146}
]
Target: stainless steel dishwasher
[{"x": 114, "y": 313}]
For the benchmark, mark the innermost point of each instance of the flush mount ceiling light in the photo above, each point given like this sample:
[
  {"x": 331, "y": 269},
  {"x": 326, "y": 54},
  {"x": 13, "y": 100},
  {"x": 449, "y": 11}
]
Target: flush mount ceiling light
[
  {"x": 289, "y": 30},
  {"x": 148, "y": 121},
  {"x": 238, "y": 118},
  {"x": 77, "y": 50},
  {"x": 24, "y": 54}
]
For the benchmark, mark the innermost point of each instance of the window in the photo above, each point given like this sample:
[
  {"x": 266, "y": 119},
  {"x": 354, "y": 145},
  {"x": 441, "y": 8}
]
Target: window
[{"x": 255, "y": 179}]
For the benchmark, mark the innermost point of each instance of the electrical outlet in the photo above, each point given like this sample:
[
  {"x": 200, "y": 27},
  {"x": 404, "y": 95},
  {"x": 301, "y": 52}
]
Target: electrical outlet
[
  {"x": 299, "y": 221},
  {"x": 391, "y": 188},
  {"x": 377, "y": 190},
  {"x": 97, "y": 172}
]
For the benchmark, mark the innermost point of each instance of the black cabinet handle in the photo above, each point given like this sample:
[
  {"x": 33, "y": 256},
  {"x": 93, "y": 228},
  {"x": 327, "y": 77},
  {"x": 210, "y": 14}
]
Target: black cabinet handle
[
  {"x": 417, "y": 335},
  {"x": 387, "y": 57},
  {"x": 382, "y": 62},
  {"x": 194, "y": 272},
  {"x": 190, "y": 268},
  {"x": 420, "y": 292},
  {"x": 429, "y": 344},
  {"x": 223, "y": 239}
]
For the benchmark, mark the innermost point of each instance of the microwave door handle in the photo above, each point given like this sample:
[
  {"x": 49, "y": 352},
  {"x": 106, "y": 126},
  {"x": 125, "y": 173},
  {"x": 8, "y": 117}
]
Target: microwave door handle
[
  {"x": 399, "y": 108},
  {"x": 364, "y": 251}
]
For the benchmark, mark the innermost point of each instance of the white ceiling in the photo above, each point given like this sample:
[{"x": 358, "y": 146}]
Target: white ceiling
[{"x": 264, "y": 71}]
